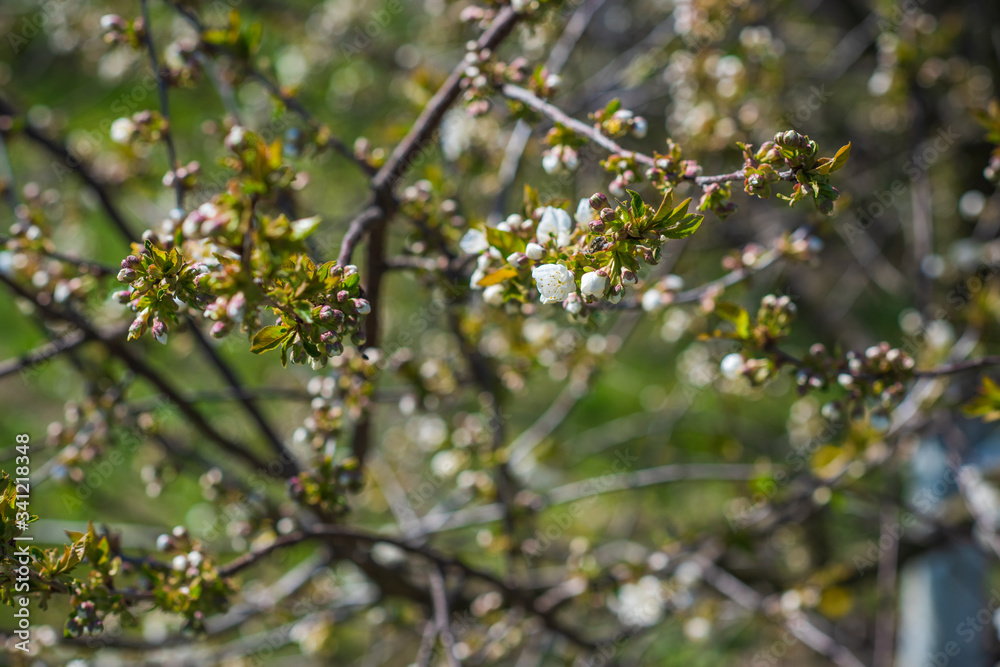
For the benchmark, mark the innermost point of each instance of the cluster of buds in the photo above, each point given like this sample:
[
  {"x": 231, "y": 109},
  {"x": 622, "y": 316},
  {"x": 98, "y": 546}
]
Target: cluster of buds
[
  {"x": 118, "y": 30},
  {"x": 757, "y": 371},
  {"x": 147, "y": 126},
  {"x": 325, "y": 488},
  {"x": 181, "y": 63},
  {"x": 715, "y": 197},
  {"x": 776, "y": 314},
  {"x": 800, "y": 244},
  {"x": 617, "y": 122},
  {"x": 483, "y": 73},
  {"x": 559, "y": 158},
  {"x": 85, "y": 620},
  {"x": 155, "y": 278},
  {"x": 187, "y": 175},
  {"x": 793, "y": 156}
]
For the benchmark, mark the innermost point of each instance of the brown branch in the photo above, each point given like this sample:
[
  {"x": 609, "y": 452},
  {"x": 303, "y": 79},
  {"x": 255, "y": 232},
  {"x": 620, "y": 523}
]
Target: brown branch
[
  {"x": 81, "y": 168},
  {"x": 45, "y": 352},
  {"x": 383, "y": 205},
  {"x": 141, "y": 368},
  {"x": 948, "y": 369},
  {"x": 593, "y": 133}
]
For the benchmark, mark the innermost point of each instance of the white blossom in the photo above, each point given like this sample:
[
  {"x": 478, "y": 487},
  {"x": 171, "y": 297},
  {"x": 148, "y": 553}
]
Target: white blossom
[
  {"x": 555, "y": 224},
  {"x": 732, "y": 365},
  {"x": 493, "y": 295},
  {"x": 121, "y": 130},
  {"x": 640, "y": 604},
  {"x": 593, "y": 284},
  {"x": 584, "y": 212},
  {"x": 481, "y": 265},
  {"x": 652, "y": 300},
  {"x": 640, "y": 127},
  {"x": 474, "y": 242},
  {"x": 554, "y": 281},
  {"x": 551, "y": 163},
  {"x": 534, "y": 251}
]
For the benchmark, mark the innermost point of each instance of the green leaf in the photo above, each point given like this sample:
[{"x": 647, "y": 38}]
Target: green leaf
[
  {"x": 638, "y": 206},
  {"x": 268, "y": 338},
  {"x": 505, "y": 242},
  {"x": 986, "y": 405},
  {"x": 159, "y": 256},
  {"x": 352, "y": 281},
  {"x": 683, "y": 228}
]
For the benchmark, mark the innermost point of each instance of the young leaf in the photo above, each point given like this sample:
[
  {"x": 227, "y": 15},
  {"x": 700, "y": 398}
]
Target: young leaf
[
  {"x": 268, "y": 339},
  {"x": 498, "y": 276},
  {"x": 840, "y": 159}
]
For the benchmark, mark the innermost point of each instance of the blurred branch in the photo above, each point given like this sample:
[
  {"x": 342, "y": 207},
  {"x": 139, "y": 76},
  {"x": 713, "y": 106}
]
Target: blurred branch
[
  {"x": 161, "y": 86},
  {"x": 441, "y": 614},
  {"x": 796, "y": 622},
  {"x": 47, "y": 351},
  {"x": 141, "y": 368},
  {"x": 344, "y": 534}
]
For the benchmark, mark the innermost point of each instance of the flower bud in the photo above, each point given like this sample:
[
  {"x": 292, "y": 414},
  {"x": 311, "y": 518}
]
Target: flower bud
[
  {"x": 629, "y": 277},
  {"x": 343, "y": 295},
  {"x": 236, "y": 139},
  {"x": 327, "y": 337},
  {"x": 359, "y": 338},
  {"x": 598, "y": 201},
  {"x": 237, "y": 307},
  {"x": 517, "y": 259},
  {"x": 123, "y": 296},
  {"x": 597, "y": 226},
  {"x": 607, "y": 215},
  {"x": 160, "y": 331},
  {"x": 534, "y": 251},
  {"x": 325, "y": 314},
  {"x": 362, "y": 307},
  {"x": 219, "y": 330},
  {"x": 131, "y": 262}
]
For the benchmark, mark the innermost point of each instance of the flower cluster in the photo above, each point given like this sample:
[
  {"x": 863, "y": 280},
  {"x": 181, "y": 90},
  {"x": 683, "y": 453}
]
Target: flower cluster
[
  {"x": 590, "y": 256},
  {"x": 228, "y": 261}
]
